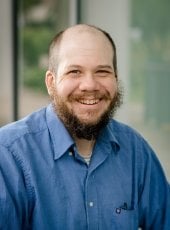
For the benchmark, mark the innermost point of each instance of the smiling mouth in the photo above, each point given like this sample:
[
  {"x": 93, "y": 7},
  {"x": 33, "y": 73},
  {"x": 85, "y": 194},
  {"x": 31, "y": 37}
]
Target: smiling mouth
[{"x": 89, "y": 101}]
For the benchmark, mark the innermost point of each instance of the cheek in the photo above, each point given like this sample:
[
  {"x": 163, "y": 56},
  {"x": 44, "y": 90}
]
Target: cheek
[
  {"x": 65, "y": 88},
  {"x": 110, "y": 87}
]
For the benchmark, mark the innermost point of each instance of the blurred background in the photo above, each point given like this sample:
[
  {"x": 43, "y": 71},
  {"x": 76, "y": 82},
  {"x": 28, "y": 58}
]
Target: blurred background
[{"x": 141, "y": 31}]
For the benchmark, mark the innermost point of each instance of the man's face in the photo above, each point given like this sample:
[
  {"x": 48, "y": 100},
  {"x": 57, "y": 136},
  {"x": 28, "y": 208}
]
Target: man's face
[{"x": 84, "y": 84}]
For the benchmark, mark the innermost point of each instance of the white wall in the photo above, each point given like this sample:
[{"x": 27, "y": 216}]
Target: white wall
[{"x": 5, "y": 62}]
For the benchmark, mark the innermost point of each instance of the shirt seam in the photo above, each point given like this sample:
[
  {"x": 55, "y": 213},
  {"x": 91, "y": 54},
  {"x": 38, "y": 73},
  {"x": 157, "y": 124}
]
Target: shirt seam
[
  {"x": 8, "y": 145},
  {"x": 20, "y": 162}
]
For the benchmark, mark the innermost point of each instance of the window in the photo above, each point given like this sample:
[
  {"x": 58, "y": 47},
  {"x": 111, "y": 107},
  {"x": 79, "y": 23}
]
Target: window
[{"x": 39, "y": 21}]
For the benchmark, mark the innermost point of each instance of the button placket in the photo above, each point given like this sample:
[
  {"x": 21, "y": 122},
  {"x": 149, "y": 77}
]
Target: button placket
[{"x": 91, "y": 203}]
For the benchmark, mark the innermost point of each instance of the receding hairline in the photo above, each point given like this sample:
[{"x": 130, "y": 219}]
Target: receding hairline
[
  {"x": 83, "y": 28},
  {"x": 78, "y": 28},
  {"x": 56, "y": 41}
]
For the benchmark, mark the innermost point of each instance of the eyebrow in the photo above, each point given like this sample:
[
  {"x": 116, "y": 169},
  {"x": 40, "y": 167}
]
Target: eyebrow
[
  {"x": 74, "y": 66},
  {"x": 97, "y": 67},
  {"x": 105, "y": 67}
]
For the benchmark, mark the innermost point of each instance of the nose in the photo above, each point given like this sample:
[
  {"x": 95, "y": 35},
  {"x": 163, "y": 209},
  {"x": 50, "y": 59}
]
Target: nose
[{"x": 89, "y": 83}]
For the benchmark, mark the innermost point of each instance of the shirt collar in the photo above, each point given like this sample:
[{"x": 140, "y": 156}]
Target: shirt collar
[
  {"x": 61, "y": 139},
  {"x": 108, "y": 136}
]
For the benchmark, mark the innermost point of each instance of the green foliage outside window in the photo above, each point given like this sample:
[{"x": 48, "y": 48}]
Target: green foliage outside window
[
  {"x": 36, "y": 33},
  {"x": 36, "y": 42}
]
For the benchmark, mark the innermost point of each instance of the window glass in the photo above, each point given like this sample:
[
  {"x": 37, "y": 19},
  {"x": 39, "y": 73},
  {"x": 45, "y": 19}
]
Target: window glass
[
  {"x": 39, "y": 21},
  {"x": 150, "y": 73}
]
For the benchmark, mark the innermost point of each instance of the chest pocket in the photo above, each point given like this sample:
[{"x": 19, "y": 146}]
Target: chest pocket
[{"x": 125, "y": 219}]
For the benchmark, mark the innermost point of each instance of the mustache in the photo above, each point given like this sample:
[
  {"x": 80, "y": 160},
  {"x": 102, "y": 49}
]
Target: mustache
[{"x": 94, "y": 95}]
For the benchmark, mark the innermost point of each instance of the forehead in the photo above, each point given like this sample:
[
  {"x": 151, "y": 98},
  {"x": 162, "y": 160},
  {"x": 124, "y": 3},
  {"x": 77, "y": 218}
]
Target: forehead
[{"x": 84, "y": 39}]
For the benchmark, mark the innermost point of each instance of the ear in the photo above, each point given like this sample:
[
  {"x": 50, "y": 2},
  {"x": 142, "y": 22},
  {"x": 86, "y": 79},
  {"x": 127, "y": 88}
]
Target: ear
[{"x": 49, "y": 81}]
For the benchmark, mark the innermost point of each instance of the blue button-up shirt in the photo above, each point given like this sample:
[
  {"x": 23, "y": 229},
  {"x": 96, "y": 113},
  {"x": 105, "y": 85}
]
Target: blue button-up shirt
[{"x": 45, "y": 184}]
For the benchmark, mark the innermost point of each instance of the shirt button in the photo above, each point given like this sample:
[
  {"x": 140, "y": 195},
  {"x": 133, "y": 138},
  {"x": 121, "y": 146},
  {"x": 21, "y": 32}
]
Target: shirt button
[
  {"x": 91, "y": 204},
  {"x": 118, "y": 210},
  {"x": 70, "y": 153}
]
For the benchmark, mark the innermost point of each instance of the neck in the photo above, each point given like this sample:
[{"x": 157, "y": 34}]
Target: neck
[{"x": 84, "y": 147}]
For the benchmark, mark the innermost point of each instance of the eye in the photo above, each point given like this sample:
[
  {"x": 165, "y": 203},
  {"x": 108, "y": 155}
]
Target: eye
[
  {"x": 102, "y": 73},
  {"x": 74, "y": 72}
]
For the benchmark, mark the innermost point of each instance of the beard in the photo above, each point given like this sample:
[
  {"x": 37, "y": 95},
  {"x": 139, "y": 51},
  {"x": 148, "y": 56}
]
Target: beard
[{"x": 82, "y": 129}]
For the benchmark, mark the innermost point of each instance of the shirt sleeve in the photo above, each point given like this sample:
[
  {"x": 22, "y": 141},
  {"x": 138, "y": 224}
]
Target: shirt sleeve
[
  {"x": 15, "y": 203},
  {"x": 154, "y": 204}
]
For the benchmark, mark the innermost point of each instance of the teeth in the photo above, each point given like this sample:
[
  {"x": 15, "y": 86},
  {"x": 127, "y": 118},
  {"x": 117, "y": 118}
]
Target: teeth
[{"x": 89, "y": 102}]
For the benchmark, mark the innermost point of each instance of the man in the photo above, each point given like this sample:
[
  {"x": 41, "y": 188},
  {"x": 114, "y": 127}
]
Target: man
[{"x": 70, "y": 165}]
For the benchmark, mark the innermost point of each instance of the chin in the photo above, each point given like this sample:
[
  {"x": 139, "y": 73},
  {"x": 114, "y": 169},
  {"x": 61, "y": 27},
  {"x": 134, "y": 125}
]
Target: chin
[{"x": 89, "y": 120}]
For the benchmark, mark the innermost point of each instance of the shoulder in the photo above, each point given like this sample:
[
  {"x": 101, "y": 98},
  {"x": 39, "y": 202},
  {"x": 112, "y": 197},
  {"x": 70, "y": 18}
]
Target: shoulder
[
  {"x": 135, "y": 148},
  {"x": 131, "y": 142},
  {"x": 123, "y": 130},
  {"x": 30, "y": 124}
]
